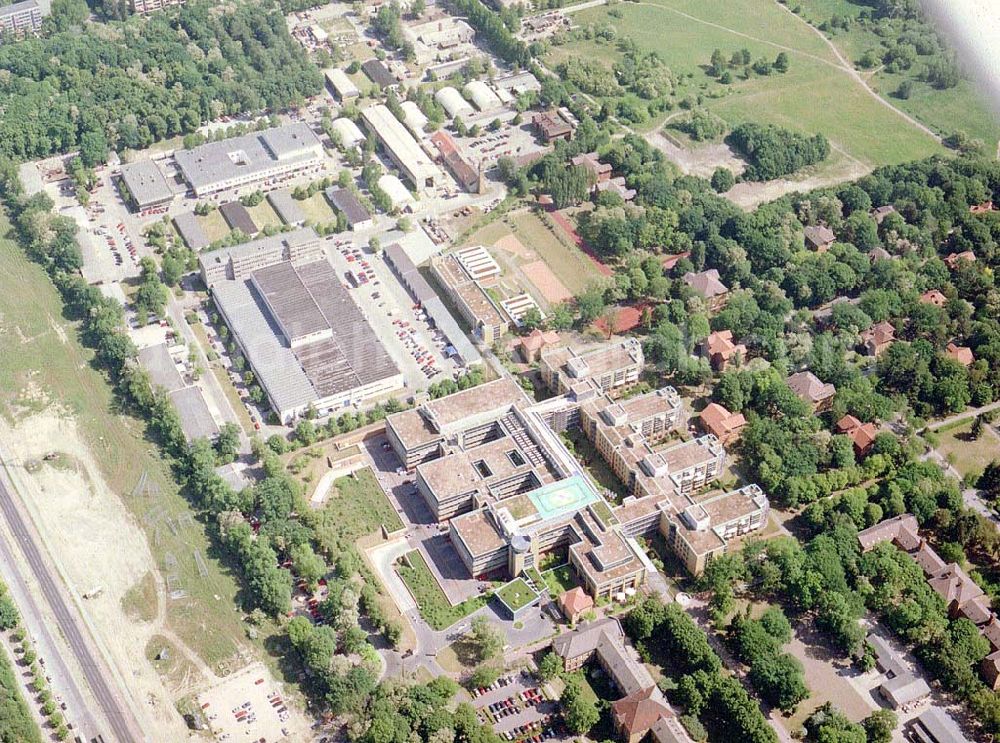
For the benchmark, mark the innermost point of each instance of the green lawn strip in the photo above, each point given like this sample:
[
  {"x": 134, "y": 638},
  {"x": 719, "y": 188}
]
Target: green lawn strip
[{"x": 431, "y": 600}]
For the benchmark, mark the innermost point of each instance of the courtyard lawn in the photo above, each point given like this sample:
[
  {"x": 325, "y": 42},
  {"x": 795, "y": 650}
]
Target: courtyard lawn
[
  {"x": 214, "y": 225},
  {"x": 559, "y": 580},
  {"x": 317, "y": 209},
  {"x": 964, "y": 454},
  {"x": 816, "y": 94},
  {"x": 264, "y": 215},
  {"x": 431, "y": 600}
]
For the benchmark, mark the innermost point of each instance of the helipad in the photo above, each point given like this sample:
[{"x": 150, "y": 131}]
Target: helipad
[{"x": 565, "y": 496}]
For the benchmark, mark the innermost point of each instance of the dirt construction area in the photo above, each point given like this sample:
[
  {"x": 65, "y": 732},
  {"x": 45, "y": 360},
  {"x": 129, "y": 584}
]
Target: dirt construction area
[
  {"x": 100, "y": 549},
  {"x": 93, "y": 539}
]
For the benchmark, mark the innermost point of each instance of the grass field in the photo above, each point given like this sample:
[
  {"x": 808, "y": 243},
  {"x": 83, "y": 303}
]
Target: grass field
[
  {"x": 214, "y": 225},
  {"x": 357, "y": 507},
  {"x": 39, "y": 350},
  {"x": 964, "y": 454},
  {"x": 815, "y": 95},
  {"x": 317, "y": 209},
  {"x": 959, "y": 108},
  {"x": 141, "y": 601},
  {"x": 431, "y": 601},
  {"x": 559, "y": 580},
  {"x": 263, "y": 215}
]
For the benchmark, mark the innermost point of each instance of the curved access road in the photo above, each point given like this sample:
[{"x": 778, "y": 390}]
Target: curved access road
[{"x": 124, "y": 727}]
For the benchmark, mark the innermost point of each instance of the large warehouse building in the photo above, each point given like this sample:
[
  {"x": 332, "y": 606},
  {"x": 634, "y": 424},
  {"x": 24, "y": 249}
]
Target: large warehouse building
[
  {"x": 306, "y": 341},
  {"x": 415, "y": 164},
  {"x": 251, "y": 159}
]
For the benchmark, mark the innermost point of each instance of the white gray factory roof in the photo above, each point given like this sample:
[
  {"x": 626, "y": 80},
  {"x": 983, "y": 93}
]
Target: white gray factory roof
[
  {"x": 350, "y": 135},
  {"x": 287, "y": 208},
  {"x": 213, "y": 162},
  {"x": 146, "y": 182},
  {"x": 453, "y": 102},
  {"x": 414, "y": 119},
  {"x": 160, "y": 366},
  {"x": 191, "y": 231},
  {"x": 400, "y": 142},
  {"x": 397, "y": 192}
]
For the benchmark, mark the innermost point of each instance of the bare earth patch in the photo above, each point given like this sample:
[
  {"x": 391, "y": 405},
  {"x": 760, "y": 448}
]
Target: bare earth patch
[
  {"x": 546, "y": 282},
  {"x": 98, "y": 545}
]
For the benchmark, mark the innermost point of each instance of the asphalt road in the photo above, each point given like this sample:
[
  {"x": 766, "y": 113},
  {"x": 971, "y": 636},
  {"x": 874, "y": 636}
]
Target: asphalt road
[{"x": 123, "y": 724}]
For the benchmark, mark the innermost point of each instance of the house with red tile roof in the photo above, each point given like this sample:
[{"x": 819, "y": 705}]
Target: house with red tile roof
[
  {"x": 953, "y": 260},
  {"x": 721, "y": 350},
  {"x": 962, "y": 354},
  {"x": 574, "y": 603},
  {"x": 819, "y": 237},
  {"x": 861, "y": 434},
  {"x": 934, "y": 297},
  {"x": 531, "y": 346},
  {"x": 722, "y": 424},
  {"x": 878, "y": 338},
  {"x": 636, "y": 714}
]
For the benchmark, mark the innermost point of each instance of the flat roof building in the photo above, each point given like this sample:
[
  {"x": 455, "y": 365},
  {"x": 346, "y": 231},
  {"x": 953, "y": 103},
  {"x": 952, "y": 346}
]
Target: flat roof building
[
  {"x": 146, "y": 184},
  {"x": 238, "y": 261},
  {"x": 286, "y": 207},
  {"x": 401, "y": 147},
  {"x": 610, "y": 365},
  {"x": 346, "y": 202},
  {"x": 250, "y": 159},
  {"x": 21, "y": 18},
  {"x": 488, "y": 323},
  {"x": 191, "y": 231},
  {"x": 305, "y": 339},
  {"x": 342, "y": 87},
  {"x": 143, "y": 7}
]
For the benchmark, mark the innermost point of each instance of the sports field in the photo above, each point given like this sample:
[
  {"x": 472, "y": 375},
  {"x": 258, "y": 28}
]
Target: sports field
[{"x": 817, "y": 94}]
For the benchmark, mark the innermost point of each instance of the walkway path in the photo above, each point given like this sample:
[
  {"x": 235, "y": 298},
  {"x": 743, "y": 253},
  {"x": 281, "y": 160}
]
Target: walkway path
[{"x": 862, "y": 81}]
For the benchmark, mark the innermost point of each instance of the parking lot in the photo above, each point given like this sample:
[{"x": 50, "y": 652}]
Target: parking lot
[
  {"x": 417, "y": 349},
  {"x": 517, "y": 710}
]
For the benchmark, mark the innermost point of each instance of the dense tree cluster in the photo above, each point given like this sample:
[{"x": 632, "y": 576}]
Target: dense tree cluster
[
  {"x": 154, "y": 77},
  {"x": 778, "y": 677},
  {"x": 668, "y": 635},
  {"x": 772, "y": 152}
]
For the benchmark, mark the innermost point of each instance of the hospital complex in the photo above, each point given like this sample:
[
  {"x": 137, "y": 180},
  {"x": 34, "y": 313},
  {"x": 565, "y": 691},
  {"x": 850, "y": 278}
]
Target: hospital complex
[{"x": 492, "y": 464}]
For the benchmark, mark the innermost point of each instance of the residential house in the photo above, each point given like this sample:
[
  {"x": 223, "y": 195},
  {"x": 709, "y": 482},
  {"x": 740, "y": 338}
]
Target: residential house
[
  {"x": 819, "y": 237},
  {"x": 574, "y": 603},
  {"x": 962, "y": 354},
  {"x": 808, "y": 388},
  {"x": 531, "y": 346},
  {"x": 636, "y": 714},
  {"x": 722, "y": 424},
  {"x": 934, "y": 297},
  {"x": 709, "y": 286},
  {"x": 954, "y": 260},
  {"x": 861, "y": 434},
  {"x": 721, "y": 350},
  {"x": 879, "y": 213},
  {"x": 878, "y": 338}
]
